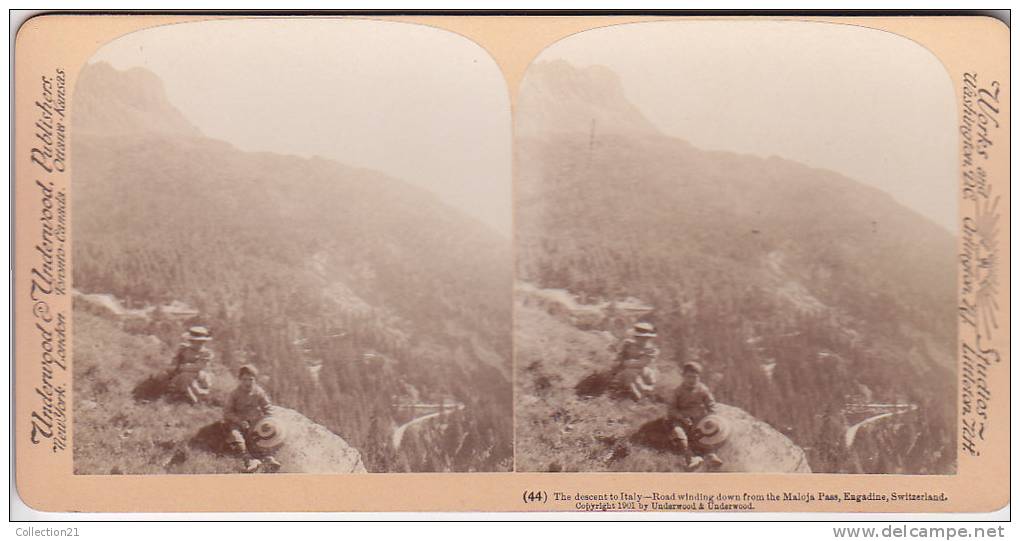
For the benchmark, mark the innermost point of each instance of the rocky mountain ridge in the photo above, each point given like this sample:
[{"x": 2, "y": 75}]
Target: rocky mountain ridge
[{"x": 128, "y": 102}]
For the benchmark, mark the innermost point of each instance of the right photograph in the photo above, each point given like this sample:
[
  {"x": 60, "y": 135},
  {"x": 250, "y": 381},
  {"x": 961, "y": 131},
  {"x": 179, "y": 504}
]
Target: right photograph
[{"x": 736, "y": 251}]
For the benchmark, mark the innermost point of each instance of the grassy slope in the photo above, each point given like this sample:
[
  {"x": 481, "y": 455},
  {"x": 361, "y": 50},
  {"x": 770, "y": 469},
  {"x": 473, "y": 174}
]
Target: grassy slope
[
  {"x": 559, "y": 429},
  {"x": 114, "y": 432}
]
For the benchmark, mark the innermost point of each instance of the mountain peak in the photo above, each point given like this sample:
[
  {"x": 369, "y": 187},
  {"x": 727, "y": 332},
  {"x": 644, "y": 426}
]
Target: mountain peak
[
  {"x": 114, "y": 102},
  {"x": 557, "y": 96}
]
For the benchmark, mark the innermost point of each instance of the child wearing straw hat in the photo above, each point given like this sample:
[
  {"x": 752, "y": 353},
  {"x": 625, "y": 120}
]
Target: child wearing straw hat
[
  {"x": 248, "y": 405},
  {"x": 189, "y": 377},
  {"x": 692, "y": 402},
  {"x": 635, "y": 371}
]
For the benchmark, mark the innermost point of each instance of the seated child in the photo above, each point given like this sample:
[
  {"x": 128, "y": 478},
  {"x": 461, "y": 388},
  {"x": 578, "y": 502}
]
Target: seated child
[
  {"x": 635, "y": 371},
  {"x": 691, "y": 402},
  {"x": 189, "y": 376},
  {"x": 248, "y": 404}
]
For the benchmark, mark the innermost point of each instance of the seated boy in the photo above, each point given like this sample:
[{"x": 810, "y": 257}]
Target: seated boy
[
  {"x": 636, "y": 361},
  {"x": 248, "y": 404},
  {"x": 691, "y": 402}
]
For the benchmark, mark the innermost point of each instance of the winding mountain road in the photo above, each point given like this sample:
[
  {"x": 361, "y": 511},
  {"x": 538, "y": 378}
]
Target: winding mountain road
[
  {"x": 851, "y": 433},
  {"x": 398, "y": 432}
]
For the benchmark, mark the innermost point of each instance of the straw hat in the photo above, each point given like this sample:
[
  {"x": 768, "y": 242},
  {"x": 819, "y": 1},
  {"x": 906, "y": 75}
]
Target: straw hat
[
  {"x": 268, "y": 434},
  {"x": 714, "y": 431},
  {"x": 197, "y": 332},
  {"x": 644, "y": 329}
]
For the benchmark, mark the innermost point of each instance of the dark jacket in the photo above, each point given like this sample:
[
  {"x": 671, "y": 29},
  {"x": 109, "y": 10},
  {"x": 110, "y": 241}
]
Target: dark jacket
[
  {"x": 691, "y": 402},
  {"x": 247, "y": 406}
]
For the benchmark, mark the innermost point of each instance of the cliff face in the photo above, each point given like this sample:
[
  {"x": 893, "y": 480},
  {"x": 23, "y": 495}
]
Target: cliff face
[
  {"x": 127, "y": 102},
  {"x": 561, "y": 99}
]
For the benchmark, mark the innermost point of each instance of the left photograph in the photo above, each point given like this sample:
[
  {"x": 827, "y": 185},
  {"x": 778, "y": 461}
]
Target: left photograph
[{"x": 291, "y": 251}]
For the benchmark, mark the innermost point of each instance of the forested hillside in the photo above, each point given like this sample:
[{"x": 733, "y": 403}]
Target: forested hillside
[
  {"x": 354, "y": 292},
  {"x": 801, "y": 291}
]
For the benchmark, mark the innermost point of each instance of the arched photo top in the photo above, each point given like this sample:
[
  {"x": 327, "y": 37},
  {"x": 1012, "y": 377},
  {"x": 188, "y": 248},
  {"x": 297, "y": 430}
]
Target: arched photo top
[
  {"x": 421, "y": 104},
  {"x": 870, "y": 105},
  {"x": 756, "y": 219}
]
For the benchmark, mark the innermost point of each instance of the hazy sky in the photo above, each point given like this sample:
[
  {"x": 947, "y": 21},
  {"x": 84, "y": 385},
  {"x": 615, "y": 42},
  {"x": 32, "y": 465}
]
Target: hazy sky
[
  {"x": 420, "y": 104},
  {"x": 873, "y": 106}
]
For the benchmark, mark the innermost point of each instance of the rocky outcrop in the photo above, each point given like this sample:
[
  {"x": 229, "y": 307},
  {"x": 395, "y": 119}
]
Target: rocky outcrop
[
  {"x": 559, "y": 97},
  {"x": 311, "y": 448},
  {"x": 125, "y": 102}
]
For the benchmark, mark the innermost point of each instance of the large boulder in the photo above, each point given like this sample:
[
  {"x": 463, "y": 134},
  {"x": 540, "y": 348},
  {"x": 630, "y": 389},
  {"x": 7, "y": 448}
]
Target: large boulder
[
  {"x": 754, "y": 446},
  {"x": 311, "y": 448}
]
